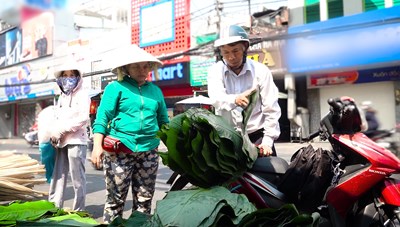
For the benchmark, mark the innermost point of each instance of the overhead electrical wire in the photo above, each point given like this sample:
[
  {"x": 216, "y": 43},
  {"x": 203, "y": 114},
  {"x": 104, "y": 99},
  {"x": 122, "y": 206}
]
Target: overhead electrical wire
[{"x": 200, "y": 49}]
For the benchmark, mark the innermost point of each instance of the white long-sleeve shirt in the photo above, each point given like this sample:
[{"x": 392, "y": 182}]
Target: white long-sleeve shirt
[
  {"x": 224, "y": 85},
  {"x": 72, "y": 116}
]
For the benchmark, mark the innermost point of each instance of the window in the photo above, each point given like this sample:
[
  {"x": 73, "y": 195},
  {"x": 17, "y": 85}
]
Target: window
[
  {"x": 373, "y": 4},
  {"x": 312, "y": 11},
  {"x": 335, "y": 8}
]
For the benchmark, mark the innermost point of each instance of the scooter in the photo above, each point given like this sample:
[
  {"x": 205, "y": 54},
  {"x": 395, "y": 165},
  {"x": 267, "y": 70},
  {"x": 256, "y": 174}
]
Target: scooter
[
  {"x": 366, "y": 189},
  {"x": 367, "y": 192}
]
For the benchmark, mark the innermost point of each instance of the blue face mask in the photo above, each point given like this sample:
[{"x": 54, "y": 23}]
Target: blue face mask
[{"x": 67, "y": 84}]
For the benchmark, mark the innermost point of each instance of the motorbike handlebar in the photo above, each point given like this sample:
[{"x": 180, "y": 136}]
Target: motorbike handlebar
[{"x": 312, "y": 136}]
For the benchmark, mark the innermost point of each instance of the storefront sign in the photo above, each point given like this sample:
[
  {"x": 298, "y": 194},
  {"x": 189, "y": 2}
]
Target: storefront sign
[
  {"x": 174, "y": 74},
  {"x": 199, "y": 69},
  {"x": 105, "y": 80},
  {"x": 269, "y": 53},
  {"x": 355, "y": 77},
  {"x": 372, "y": 38},
  {"x": 25, "y": 83}
]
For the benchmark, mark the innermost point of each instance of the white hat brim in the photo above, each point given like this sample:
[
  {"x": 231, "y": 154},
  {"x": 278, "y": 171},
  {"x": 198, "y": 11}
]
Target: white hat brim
[
  {"x": 229, "y": 40},
  {"x": 69, "y": 65},
  {"x": 132, "y": 54}
]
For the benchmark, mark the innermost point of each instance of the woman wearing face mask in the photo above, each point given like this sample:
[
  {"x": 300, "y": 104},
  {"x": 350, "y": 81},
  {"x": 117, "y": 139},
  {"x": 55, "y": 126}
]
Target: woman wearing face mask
[{"x": 69, "y": 136}]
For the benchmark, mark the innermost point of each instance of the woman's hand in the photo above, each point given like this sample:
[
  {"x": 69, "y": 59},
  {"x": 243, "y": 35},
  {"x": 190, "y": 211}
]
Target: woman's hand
[
  {"x": 97, "y": 157},
  {"x": 97, "y": 152}
]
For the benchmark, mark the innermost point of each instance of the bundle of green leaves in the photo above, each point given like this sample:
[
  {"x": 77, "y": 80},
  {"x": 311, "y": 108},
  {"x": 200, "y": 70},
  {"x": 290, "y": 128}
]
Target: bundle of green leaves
[
  {"x": 205, "y": 149},
  {"x": 215, "y": 206},
  {"x": 42, "y": 213}
]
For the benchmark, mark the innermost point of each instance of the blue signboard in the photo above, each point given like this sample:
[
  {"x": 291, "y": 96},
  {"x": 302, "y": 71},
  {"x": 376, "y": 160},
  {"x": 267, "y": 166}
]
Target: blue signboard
[
  {"x": 155, "y": 31},
  {"x": 370, "y": 38},
  {"x": 47, "y": 4},
  {"x": 354, "y": 77},
  {"x": 25, "y": 83},
  {"x": 172, "y": 75},
  {"x": 377, "y": 75}
]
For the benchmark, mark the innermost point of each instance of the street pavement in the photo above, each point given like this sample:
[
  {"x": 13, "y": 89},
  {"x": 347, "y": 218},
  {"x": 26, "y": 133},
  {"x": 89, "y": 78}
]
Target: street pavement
[{"x": 95, "y": 196}]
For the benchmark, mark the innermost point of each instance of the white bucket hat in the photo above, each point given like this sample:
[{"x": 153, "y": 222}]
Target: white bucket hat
[
  {"x": 68, "y": 65},
  {"x": 132, "y": 54}
]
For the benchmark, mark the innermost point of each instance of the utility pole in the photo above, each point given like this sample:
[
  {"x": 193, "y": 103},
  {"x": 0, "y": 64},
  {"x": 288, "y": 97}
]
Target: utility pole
[
  {"x": 249, "y": 7},
  {"x": 250, "y": 18},
  {"x": 218, "y": 8}
]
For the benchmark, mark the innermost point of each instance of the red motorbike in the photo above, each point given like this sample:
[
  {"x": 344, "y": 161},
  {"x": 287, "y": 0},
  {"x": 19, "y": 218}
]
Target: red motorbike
[
  {"x": 367, "y": 192},
  {"x": 366, "y": 188}
]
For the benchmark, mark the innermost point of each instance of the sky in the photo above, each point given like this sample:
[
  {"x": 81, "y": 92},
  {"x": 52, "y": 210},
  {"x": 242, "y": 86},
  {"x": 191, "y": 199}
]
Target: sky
[
  {"x": 204, "y": 16},
  {"x": 203, "y": 13}
]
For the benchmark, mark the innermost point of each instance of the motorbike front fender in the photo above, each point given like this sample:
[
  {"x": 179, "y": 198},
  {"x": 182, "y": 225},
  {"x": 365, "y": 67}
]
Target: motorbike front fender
[{"x": 390, "y": 193}]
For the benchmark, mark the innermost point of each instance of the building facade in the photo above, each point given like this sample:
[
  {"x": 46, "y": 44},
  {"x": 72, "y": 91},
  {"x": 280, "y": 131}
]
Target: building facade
[
  {"x": 28, "y": 55},
  {"x": 91, "y": 32},
  {"x": 40, "y": 38},
  {"x": 345, "y": 48}
]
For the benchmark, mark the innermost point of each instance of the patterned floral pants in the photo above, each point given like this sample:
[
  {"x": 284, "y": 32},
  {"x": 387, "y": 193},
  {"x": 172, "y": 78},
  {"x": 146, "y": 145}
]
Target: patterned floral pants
[{"x": 122, "y": 170}]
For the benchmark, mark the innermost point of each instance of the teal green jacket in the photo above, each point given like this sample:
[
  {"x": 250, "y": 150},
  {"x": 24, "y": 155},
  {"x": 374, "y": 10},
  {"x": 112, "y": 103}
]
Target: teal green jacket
[{"x": 132, "y": 114}]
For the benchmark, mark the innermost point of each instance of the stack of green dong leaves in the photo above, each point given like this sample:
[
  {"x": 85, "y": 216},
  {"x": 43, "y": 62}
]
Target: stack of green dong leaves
[{"x": 205, "y": 149}]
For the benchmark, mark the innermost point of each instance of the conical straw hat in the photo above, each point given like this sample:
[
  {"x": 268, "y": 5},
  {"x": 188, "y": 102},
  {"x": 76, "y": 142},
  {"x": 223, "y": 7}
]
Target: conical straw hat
[
  {"x": 131, "y": 54},
  {"x": 69, "y": 64}
]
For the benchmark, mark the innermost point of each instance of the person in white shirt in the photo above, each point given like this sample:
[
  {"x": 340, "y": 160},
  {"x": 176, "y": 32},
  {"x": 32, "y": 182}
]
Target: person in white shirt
[
  {"x": 68, "y": 135},
  {"x": 233, "y": 78}
]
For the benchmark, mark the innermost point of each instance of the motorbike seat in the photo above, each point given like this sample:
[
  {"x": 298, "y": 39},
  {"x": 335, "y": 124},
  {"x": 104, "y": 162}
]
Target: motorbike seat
[
  {"x": 270, "y": 164},
  {"x": 269, "y": 168}
]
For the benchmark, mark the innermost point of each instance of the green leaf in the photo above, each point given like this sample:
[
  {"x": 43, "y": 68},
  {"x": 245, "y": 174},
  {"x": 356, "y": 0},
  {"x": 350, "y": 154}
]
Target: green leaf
[
  {"x": 205, "y": 149},
  {"x": 246, "y": 113},
  {"x": 199, "y": 167},
  {"x": 214, "y": 214},
  {"x": 193, "y": 207},
  {"x": 199, "y": 163},
  {"x": 188, "y": 136},
  {"x": 223, "y": 129},
  {"x": 25, "y": 211},
  {"x": 287, "y": 215},
  {"x": 175, "y": 146},
  {"x": 135, "y": 219},
  {"x": 250, "y": 150},
  {"x": 236, "y": 162},
  {"x": 73, "y": 219}
]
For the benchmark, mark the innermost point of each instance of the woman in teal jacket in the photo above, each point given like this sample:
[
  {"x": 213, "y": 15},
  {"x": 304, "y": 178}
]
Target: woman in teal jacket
[{"x": 132, "y": 110}]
